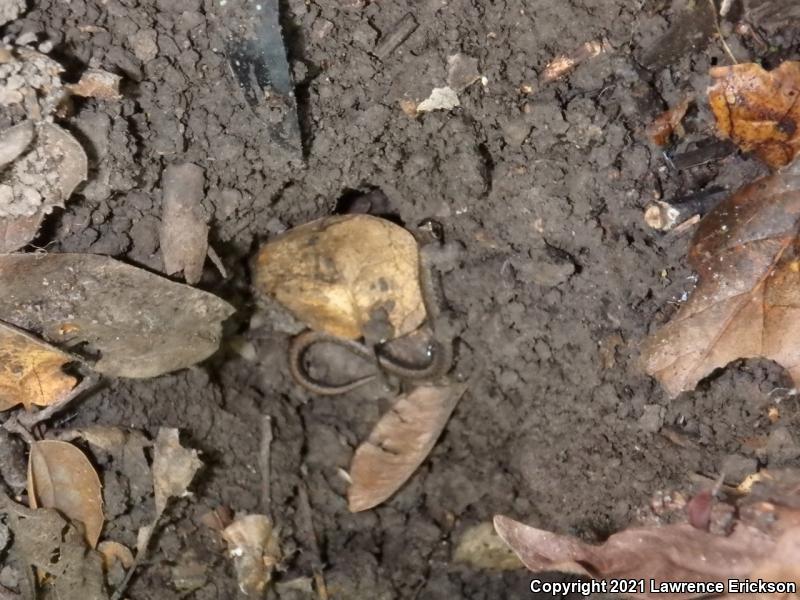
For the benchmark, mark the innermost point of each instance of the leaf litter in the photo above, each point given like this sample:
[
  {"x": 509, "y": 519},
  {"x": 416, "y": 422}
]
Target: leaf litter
[
  {"x": 335, "y": 273},
  {"x": 126, "y": 321},
  {"x": 759, "y": 110},
  {"x": 747, "y": 300},
  {"x": 253, "y": 545},
  {"x": 31, "y": 372},
  {"x": 399, "y": 443},
  {"x": 60, "y": 476}
]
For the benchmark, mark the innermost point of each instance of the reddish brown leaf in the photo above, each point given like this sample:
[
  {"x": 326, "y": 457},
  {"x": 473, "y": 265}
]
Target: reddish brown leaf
[
  {"x": 759, "y": 110},
  {"x": 662, "y": 127},
  {"x": 399, "y": 443},
  {"x": 747, "y": 301},
  {"x": 674, "y": 553}
]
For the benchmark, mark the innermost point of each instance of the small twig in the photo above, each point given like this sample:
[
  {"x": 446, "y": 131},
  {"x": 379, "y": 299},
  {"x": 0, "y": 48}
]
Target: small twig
[
  {"x": 7, "y": 594},
  {"x": 719, "y": 32},
  {"x": 264, "y": 464},
  {"x": 306, "y": 526},
  {"x": 665, "y": 216},
  {"x": 399, "y": 34},
  {"x": 29, "y": 420},
  {"x": 141, "y": 551}
]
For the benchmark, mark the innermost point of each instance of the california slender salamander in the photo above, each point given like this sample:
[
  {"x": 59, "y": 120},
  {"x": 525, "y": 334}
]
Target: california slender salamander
[{"x": 440, "y": 352}]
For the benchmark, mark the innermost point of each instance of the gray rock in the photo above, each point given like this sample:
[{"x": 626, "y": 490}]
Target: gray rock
[{"x": 652, "y": 418}]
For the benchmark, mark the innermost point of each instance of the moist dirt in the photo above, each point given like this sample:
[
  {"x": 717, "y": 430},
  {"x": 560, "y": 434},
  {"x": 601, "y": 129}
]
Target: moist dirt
[{"x": 551, "y": 277}]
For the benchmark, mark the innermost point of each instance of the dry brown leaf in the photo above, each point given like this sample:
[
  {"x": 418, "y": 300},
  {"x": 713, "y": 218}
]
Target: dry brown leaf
[
  {"x": 184, "y": 232},
  {"x": 114, "y": 552},
  {"x": 31, "y": 372},
  {"x": 254, "y": 547},
  {"x": 747, "y": 300},
  {"x": 140, "y": 324},
  {"x": 758, "y": 109},
  {"x": 482, "y": 548},
  {"x": 399, "y": 443},
  {"x": 662, "y": 127},
  {"x": 61, "y": 477},
  {"x": 96, "y": 83},
  {"x": 174, "y": 467},
  {"x": 673, "y": 553},
  {"x": 336, "y": 272}
]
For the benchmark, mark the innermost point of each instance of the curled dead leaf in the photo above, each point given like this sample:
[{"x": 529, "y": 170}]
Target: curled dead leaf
[
  {"x": 562, "y": 65},
  {"x": 184, "y": 232},
  {"x": 114, "y": 552},
  {"x": 174, "y": 467},
  {"x": 336, "y": 272},
  {"x": 673, "y": 553},
  {"x": 747, "y": 300},
  {"x": 140, "y": 324},
  {"x": 61, "y": 477},
  {"x": 254, "y": 547},
  {"x": 662, "y": 127},
  {"x": 399, "y": 443},
  {"x": 758, "y": 109},
  {"x": 31, "y": 372}
]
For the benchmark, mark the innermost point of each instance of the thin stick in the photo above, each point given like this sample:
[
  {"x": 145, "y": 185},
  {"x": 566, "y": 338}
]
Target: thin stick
[
  {"x": 719, "y": 32},
  {"x": 306, "y": 527},
  {"x": 29, "y": 420},
  {"x": 264, "y": 464}
]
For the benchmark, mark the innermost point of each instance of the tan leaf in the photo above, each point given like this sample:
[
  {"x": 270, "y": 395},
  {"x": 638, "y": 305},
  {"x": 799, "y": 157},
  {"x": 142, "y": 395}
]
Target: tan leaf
[
  {"x": 254, "y": 548},
  {"x": 184, "y": 232},
  {"x": 482, "y": 548},
  {"x": 334, "y": 273},
  {"x": 758, "y": 109},
  {"x": 399, "y": 443},
  {"x": 61, "y": 477},
  {"x": 31, "y": 372},
  {"x": 174, "y": 467},
  {"x": 673, "y": 553},
  {"x": 747, "y": 300},
  {"x": 140, "y": 324}
]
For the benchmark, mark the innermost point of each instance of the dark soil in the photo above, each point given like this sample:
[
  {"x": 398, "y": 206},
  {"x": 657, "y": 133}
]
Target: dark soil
[{"x": 555, "y": 282}]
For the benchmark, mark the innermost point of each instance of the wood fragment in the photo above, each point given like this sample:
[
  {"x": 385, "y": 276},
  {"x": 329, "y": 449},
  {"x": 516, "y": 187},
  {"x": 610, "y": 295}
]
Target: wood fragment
[
  {"x": 399, "y": 34},
  {"x": 309, "y": 538},
  {"x": 665, "y": 216},
  {"x": 264, "y": 464}
]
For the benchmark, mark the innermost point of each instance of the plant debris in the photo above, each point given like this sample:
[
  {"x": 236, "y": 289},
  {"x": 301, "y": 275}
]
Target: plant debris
[
  {"x": 46, "y": 165},
  {"x": 96, "y": 83},
  {"x": 134, "y": 323},
  {"x": 563, "y": 65},
  {"x": 61, "y": 477},
  {"x": 399, "y": 443},
  {"x": 482, "y": 548},
  {"x": 184, "y": 232},
  {"x": 664, "y": 125},
  {"x": 336, "y": 273},
  {"x": 30, "y": 81},
  {"x": 254, "y": 548},
  {"x": 31, "y": 372},
  {"x": 758, "y": 109},
  {"x": 746, "y": 301},
  {"x": 57, "y": 549},
  {"x": 664, "y": 554},
  {"x": 441, "y": 98}
]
